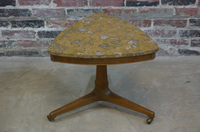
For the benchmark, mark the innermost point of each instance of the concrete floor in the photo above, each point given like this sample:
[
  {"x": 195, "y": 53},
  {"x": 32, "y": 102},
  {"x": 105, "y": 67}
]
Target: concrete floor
[{"x": 30, "y": 88}]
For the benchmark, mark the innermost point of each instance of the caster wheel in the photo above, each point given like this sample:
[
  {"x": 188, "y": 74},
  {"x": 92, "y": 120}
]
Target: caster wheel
[
  {"x": 49, "y": 119},
  {"x": 149, "y": 120}
]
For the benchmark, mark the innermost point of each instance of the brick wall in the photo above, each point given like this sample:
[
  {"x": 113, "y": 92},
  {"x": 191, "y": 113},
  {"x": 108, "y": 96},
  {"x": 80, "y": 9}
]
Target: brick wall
[{"x": 28, "y": 26}]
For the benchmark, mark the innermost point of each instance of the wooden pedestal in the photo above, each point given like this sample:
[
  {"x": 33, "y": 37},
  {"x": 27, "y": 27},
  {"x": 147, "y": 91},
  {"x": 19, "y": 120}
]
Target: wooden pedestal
[{"x": 102, "y": 92}]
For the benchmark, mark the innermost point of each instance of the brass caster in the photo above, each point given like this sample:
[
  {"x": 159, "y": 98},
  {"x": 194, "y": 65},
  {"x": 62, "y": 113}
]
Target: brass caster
[
  {"x": 49, "y": 119},
  {"x": 149, "y": 120}
]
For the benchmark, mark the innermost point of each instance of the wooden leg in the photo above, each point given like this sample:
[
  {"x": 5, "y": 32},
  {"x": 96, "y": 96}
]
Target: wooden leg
[
  {"x": 106, "y": 94},
  {"x": 87, "y": 99},
  {"x": 102, "y": 93},
  {"x": 118, "y": 100}
]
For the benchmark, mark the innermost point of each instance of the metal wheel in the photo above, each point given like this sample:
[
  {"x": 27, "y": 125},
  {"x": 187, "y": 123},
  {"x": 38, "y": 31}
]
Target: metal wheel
[{"x": 149, "y": 120}]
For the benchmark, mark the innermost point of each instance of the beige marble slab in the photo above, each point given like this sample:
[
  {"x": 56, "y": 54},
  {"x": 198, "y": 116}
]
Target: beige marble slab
[{"x": 102, "y": 36}]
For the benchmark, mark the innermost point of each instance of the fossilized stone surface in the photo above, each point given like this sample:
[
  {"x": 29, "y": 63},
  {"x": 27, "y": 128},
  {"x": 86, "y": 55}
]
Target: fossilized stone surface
[{"x": 102, "y": 36}]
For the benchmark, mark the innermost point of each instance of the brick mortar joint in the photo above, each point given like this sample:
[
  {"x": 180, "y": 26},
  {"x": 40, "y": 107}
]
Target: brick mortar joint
[
  {"x": 50, "y": 6},
  {"x": 197, "y": 2}
]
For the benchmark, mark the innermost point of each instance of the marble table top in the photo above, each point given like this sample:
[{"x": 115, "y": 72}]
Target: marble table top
[{"x": 102, "y": 36}]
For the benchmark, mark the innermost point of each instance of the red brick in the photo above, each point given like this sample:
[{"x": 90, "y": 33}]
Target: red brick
[
  {"x": 161, "y": 33},
  {"x": 187, "y": 11},
  {"x": 172, "y": 41},
  {"x": 112, "y": 11},
  {"x": 32, "y": 43},
  {"x": 130, "y": 11},
  {"x": 155, "y": 13},
  {"x": 34, "y": 2},
  {"x": 117, "y": 3},
  {"x": 69, "y": 3},
  {"x": 153, "y": 10},
  {"x": 48, "y": 12},
  {"x": 170, "y": 23},
  {"x": 141, "y": 23},
  {"x": 18, "y": 34},
  {"x": 60, "y": 23}
]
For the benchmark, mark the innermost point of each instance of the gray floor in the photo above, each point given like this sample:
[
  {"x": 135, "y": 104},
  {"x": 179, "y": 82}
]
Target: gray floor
[{"x": 32, "y": 87}]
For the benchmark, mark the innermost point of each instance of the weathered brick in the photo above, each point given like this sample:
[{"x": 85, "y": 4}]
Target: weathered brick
[
  {"x": 30, "y": 53},
  {"x": 48, "y": 12},
  {"x": 194, "y": 22},
  {"x": 178, "y": 2},
  {"x": 184, "y": 33},
  {"x": 28, "y": 23},
  {"x": 4, "y": 23},
  {"x": 48, "y": 34},
  {"x": 142, "y": 2},
  {"x": 14, "y": 53},
  {"x": 117, "y": 3},
  {"x": 60, "y": 23},
  {"x": 15, "y": 12},
  {"x": 44, "y": 53},
  {"x": 7, "y": 3},
  {"x": 170, "y": 23},
  {"x": 125, "y": 14},
  {"x": 141, "y": 23},
  {"x": 8, "y": 44},
  {"x": 154, "y": 13},
  {"x": 195, "y": 43},
  {"x": 32, "y": 43},
  {"x": 2, "y": 53},
  {"x": 161, "y": 33},
  {"x": 172, "y": 42},
  {"x": 112, "y": 11},
  {"x": 162, "y": 52},
  {"x": 194, "y": 33},
  {"x": 18, "y": 34},
  {"x": 69, "y": 3},
  {"x": 187, "y": 11},
  {"x": 34, "y": 2},
  {"x": 187, "y": 52},
  {"x": 81, "y": 13}
]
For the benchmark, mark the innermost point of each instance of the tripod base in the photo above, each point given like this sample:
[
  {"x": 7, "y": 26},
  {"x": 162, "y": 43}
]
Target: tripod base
[{"x": 102, "y": 92}]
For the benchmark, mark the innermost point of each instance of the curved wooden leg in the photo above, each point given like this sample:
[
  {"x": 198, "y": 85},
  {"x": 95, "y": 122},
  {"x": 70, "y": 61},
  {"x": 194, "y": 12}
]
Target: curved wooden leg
[
  {"x": 118, "y": 100},
  {"x": 87, "y": 99}
]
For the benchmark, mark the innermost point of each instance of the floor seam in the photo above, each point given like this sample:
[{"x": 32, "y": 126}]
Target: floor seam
[{"x": 15, "y": 81}]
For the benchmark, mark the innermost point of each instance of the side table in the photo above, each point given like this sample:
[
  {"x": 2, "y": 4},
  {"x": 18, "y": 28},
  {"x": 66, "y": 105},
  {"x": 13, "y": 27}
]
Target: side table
[{"x": 102, "y": 40}]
